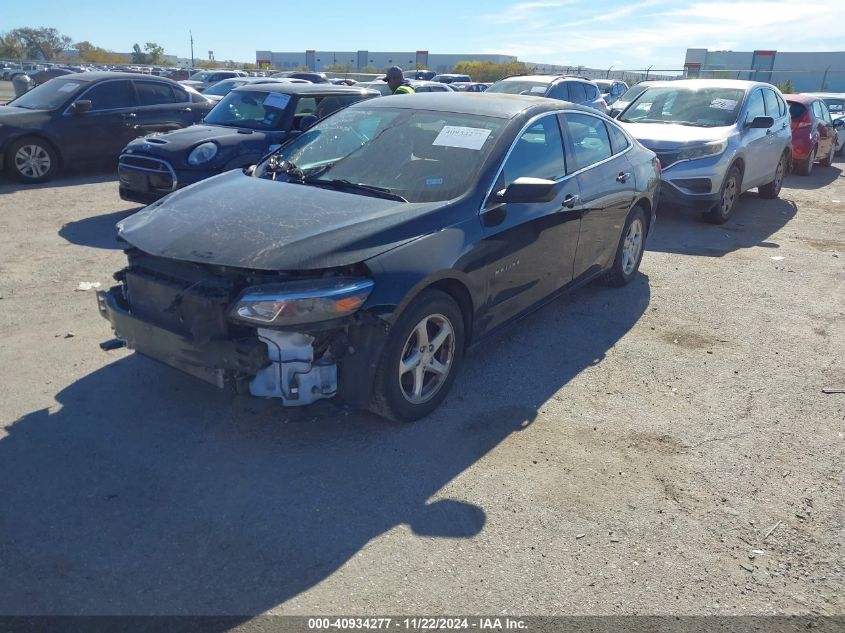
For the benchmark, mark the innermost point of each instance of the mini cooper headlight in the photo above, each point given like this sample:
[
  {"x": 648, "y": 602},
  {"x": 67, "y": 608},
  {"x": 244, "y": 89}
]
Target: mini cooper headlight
[
  {"x": 299, "y": 302},
  {"x": 203, "y": 153},
  {"x": 703, "y": 151}
]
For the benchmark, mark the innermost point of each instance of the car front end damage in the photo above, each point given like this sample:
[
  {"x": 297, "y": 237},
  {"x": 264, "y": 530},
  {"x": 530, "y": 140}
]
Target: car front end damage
[{"x": 298, "y": 337}]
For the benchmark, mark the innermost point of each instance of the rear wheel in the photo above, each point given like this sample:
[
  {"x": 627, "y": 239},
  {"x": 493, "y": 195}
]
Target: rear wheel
[
  {"x": 723, "y": 210},
  {"x": 31, "y": 160},
  {"x": 420, "y": 359},
  {"x": 805, "y": 167},
  {"x": 772, "y": 189},
  {"x": 828, "y": 160},
  {"x": 629, "y": 253}
]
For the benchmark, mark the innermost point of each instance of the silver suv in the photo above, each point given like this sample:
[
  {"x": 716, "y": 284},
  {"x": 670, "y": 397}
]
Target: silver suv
[
  {"x": 715, "y": 139},
  {"x": 573, "y": 89}
]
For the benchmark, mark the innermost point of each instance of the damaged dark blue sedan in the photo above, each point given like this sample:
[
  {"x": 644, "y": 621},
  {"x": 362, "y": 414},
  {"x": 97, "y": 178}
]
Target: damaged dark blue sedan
[{"x": 363, "y": 257}]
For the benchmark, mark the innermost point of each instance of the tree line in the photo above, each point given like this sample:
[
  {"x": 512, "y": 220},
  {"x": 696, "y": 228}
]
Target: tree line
[{"x": 49, "y": 44}]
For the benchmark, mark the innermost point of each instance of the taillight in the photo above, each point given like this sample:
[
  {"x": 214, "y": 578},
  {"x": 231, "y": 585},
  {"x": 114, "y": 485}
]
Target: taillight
[
  {"x": 658, "y": 165},
  {"x": 603, "y": 103}
]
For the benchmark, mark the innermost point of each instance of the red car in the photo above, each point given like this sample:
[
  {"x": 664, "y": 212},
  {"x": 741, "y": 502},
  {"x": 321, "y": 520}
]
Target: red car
[{"x": 813, "y": 135}]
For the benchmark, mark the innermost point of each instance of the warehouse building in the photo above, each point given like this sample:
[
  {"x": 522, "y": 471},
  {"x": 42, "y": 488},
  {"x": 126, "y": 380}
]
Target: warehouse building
[
  {"x": 808, "y": 72},
  {"x": 359, "y": 60}
]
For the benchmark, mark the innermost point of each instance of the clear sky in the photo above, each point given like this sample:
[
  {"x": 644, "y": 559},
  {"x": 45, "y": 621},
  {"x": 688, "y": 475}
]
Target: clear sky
[{"x": 628, "y": 34}]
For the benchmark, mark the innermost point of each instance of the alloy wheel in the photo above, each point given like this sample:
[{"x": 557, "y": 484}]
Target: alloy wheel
[
  {"x": 632, "y": 247},
  {"x": 32, "y": 161},
  {"x": 427, "y": 358},
  {"x": 728, "y": 197}
]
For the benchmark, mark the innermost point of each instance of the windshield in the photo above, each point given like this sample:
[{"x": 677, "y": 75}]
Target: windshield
[
  {"x": 685, "y": 105},
  {"x": 836, "y": 106},
  {"x": 201, "y": 76},
  {"x": 632, "y": 93},
  {"x": 49, "y": 95},
  {"x": 222, "y": 88},
  {"x": 421, "y": 155},
  {"x": 254, "y": 110},
  {"x": 520, "y": 87}
]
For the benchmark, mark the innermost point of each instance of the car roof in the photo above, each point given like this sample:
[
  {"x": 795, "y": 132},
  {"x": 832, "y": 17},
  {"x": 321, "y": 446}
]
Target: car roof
[
  {"x": 288, "y": 88},
  {"x": 741, "y": 84},
  {"x": 499, "y": 105},
  {"x": 802, "y": 98},
  {"x": 546, "y": 78},
  {"x": 823, "y": 95},
  {"x": 97, "y": 75}
]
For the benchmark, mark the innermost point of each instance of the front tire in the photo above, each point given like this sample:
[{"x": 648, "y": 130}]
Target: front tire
[
  {"x": 723, "y": 210},
  {"x": 31, "y": 160},
  {"x": 420, "y": 359},
  {"x": 805, "y": 167},
  {"x": 772, "y": 189},
  {"x": 629, "y": 253}
]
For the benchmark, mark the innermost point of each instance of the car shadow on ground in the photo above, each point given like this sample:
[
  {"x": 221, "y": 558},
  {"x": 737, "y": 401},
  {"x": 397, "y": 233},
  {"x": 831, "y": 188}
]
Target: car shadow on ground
[
  {"x": 147, "y": 492},
  {"x": 67, "y": 178},
  {"x": 98, "y": 231},
  {"x": 819, "y": 178},
  {"x": 754, "y": 221}
]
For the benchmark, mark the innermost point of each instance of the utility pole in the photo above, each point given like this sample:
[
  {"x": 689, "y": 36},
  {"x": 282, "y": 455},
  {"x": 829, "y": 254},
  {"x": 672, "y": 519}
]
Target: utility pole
[{"x": 192, "y": 49}]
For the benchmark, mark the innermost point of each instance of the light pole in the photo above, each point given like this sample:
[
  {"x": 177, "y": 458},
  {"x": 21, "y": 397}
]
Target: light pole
[{"x": 192, "y": 49}]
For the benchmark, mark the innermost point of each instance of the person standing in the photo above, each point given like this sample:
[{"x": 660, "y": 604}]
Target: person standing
[{"x": 395, "y": 79}]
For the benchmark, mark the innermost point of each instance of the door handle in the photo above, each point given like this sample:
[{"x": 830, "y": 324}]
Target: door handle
[
  {"x": 185, "y": 110},
  {"x": 622, "y": 177},
  {"x": 570, "y": 201}
]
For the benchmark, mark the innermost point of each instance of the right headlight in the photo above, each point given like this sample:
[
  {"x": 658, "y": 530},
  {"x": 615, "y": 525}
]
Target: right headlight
[
  {"x": 203, "y": 153},
  {"x": 703, "y": 151},
  {"x": 300, "y": 302}
]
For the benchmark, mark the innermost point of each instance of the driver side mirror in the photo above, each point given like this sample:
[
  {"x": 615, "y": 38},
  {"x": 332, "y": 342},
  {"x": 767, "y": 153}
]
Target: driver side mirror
[
  {"x": 527, "y": 190},
  {"x": 80, "y": 107},
  {"x": 761, "y": 123},
  {"x": 306, "y": 122}
]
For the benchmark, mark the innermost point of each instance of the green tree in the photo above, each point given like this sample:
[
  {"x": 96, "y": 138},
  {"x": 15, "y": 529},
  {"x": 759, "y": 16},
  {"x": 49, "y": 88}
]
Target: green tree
[
  {"x": 155, "y": 53},
  {"x": 138, "y": 56},
  {"x": 96, "y": 55},
  {"x": 489, "y": 71},
  {"x": 11, "y": 46},
  {"x": 41, "y": 43},
  {"x": 339, "y": 68},
  {"x": 786, "y": 87}
]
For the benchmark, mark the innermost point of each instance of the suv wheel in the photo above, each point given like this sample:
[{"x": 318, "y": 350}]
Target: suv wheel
[
  {"x": 723, "y": 210},
  {"x": 772, "y": 189}
]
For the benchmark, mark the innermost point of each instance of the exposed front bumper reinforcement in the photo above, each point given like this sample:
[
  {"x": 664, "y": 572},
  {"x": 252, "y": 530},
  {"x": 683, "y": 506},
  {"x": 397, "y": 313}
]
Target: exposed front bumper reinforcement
[{"x": 215, "y": 361}]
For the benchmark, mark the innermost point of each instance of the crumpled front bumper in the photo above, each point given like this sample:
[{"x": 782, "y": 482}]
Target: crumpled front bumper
[{"x": 219, "y": 362}]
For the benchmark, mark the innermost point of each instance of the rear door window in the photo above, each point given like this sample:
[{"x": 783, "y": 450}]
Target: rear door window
[
  {"x": 560, "y": 91},
  {"x": 152, "y": 93},
  {"x": 110, "y": 95},
  {"x": 618, "y": 140},
  {"x": 817, "y": 110}
]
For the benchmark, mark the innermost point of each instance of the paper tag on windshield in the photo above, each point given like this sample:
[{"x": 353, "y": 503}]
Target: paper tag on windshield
[
  {"x": 277, "y": 100},
  {"x": 465, "y": 137},
  {"x": 723, "y": 104},
  {"x": 68, "y": 87},
  {"x": 538, "y": 89}
]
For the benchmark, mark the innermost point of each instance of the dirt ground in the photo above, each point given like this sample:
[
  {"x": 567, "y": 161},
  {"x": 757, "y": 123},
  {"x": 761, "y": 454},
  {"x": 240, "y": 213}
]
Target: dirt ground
[{"x": 665, "y": 448}]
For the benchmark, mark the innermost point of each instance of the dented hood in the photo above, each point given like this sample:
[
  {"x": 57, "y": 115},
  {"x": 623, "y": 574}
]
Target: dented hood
[{"x": 245, "y": 222}]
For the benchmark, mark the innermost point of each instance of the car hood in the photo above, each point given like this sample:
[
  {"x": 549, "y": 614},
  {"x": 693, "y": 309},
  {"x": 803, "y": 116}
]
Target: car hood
[
  {"x": 669, "y": 136},
  {"x": 245, "y": 222},
  {"x": 10, "y": 115},
  {"x": 191, "y": 136}
]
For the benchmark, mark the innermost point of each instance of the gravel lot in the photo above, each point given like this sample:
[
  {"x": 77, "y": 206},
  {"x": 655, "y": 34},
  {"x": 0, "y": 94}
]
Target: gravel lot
[{"x": 619, "y": 452}]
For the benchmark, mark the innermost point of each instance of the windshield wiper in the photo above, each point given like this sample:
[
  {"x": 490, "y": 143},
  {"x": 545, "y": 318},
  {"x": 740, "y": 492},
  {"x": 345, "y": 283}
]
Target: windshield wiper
[{"x": 342, "y": 183}]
